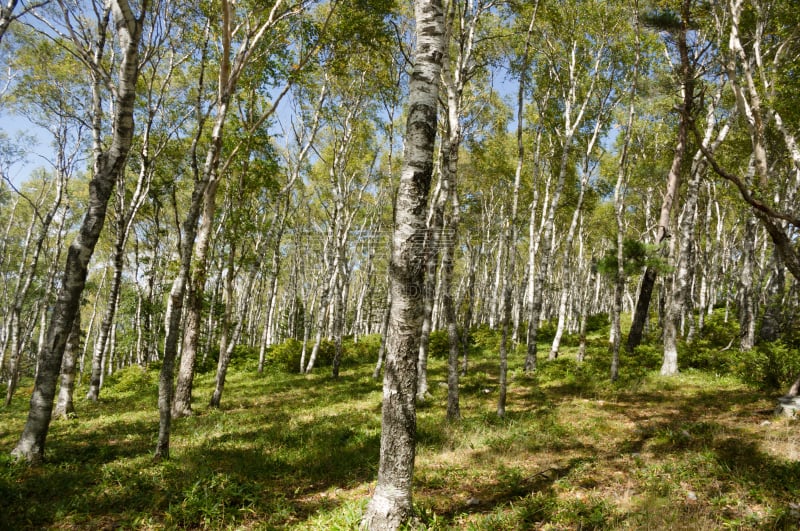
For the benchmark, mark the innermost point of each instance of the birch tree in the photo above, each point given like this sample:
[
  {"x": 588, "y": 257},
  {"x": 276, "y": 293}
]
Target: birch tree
[
  {"x": 510, "y": 229},
  {"x": 242, "y": 36},
  {"x": 575, "y": 61},
  {"x": 108, "y": 162},
  {"x": 8, "y": 15},
  {"x": 751, "y": 70},
  {"x": 678, "y": 25},
  {"x": 152, "y": 140},
  {"x": 619, "y": 207},
  {"x": 390, "y": 505}
]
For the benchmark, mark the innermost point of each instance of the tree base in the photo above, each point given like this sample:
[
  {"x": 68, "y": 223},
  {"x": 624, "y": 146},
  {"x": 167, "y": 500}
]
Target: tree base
[
  {"x": 387, "y": 512},
  {"x": 788, "y": 406}
]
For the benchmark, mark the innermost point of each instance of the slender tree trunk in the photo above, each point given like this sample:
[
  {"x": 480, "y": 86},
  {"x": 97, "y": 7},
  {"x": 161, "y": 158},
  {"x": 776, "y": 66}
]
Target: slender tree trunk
[
  {"x": 460, "y": 25},
  {"x": 453, "y": 407},
  {"x": 182, "y": 402},
  {"x": 581, "y": 355},
  {"x": 470, "y": 294},
  {"x": 677, "y": 301},
  {"x": 771, "y": 321},
  {"x": 231, "y": 338},
  {"x": 104, "y": 330},
  {"x": 25, "y": 276},
  {"x": 206, "y": 183},
  {"x": 390, "y": 505},
  {"x": 65, "y": 408},
  {"x": 432, "y": 244},
  {"x": 6, "y": 16},
  {"x": 687, "y": 77},
  {"x": 571, "y": 123},
  {"x": 384, "y": 329},
  {"x": 619, "y": 212},
  {"x": 338, "y": 320},
  {"x": 510, "y": 231},
  {"x": 89, "y": 327},
  {"x": 747, "y": 303},
  {"x": 566, "y": 257},
  {"x": 321, "y": 319}
]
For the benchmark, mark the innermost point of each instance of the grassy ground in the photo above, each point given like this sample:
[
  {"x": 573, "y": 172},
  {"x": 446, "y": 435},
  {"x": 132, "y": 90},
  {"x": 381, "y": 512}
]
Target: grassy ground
[{"x": 300, "y": 452}]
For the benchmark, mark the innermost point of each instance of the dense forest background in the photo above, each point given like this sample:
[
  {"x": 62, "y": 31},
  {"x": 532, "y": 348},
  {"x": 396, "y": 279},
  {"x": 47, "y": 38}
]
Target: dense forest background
[{"x": 193, "y": 188}]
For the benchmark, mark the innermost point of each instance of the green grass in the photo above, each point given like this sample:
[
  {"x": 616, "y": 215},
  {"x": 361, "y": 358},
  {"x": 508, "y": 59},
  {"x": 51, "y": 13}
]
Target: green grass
[{"x": 285, "y": 451}]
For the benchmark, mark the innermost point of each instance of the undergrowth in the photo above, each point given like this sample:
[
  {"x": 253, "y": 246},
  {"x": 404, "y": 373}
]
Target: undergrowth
[{"x": 289, "y": 451}]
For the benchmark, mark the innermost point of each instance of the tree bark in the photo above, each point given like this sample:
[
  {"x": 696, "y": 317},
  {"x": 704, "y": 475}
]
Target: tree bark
[
  {"x": 65, "y": 408},
  {"x": 107, "y": 166},
  {"x": 390, "y": 505},
  {"x": 680, "y": 293},
  {"x": 433, "y": 236},
  {"x": 510, "y": 230},
  {"x": 376, "y": 373},
  {"x": 566, "y": 257},
  {"x": 6, "y": 16}
]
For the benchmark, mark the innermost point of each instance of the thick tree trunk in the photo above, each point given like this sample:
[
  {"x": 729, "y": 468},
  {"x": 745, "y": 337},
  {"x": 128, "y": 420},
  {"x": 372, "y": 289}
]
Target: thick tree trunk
[
  {"x": 108, "y": 165},
  {"x": 390, "y": 505}
]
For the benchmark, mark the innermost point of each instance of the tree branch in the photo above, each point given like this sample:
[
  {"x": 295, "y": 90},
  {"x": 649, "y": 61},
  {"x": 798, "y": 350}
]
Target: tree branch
[{"x": 758, "y": 205}]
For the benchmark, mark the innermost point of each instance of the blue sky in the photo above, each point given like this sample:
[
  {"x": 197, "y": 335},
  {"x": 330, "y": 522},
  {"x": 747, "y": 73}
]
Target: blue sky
[{"x": 37, "y": 153}]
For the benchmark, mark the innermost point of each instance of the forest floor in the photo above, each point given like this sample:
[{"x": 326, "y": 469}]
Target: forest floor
[{"x": 285, "y": 451}]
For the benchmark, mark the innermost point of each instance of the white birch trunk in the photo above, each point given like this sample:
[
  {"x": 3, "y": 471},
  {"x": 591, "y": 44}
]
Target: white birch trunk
[
  {"x": 107, "y": 166},
  {"x": 390, "y": 505}
]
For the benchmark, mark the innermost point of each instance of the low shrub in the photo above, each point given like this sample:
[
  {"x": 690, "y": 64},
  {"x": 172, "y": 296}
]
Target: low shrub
[
  {"x": 207, "y": 363},
  {"x": 363, "y": 351},
  {"x": 717, "y": 332},
  {"x": 768, "y": 366},
  {"x": 704, "y": 355},
  {"x": 439, "y": 345},
  {"x": 244, "y": 357},
  {"x": 597, "y": 322},
  {"x": 485, "y": 338},
  {"x": 648, "y": 355},
  {"x": 287, "y": 355},
  {"x": 134, "y": 379},
  {"x": 547, "y": 331}
]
